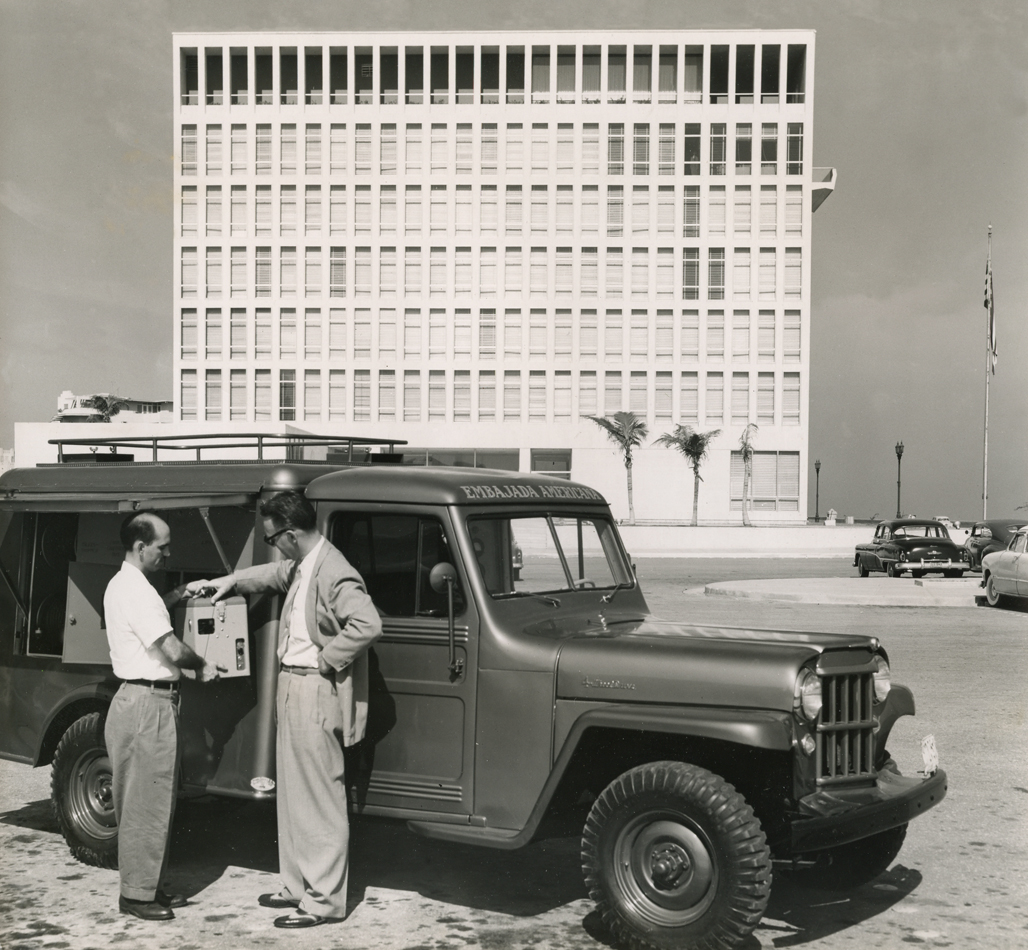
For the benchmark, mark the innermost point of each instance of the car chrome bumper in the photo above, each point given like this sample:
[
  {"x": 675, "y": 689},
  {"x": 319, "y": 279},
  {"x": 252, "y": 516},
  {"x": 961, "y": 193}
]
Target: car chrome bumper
[
  {"x": 933, "y": 565},
  {"x": 840, "y": 816}
]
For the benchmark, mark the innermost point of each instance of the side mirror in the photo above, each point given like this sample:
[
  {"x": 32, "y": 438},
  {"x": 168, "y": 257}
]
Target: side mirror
[{"x": 442, "y": 576}]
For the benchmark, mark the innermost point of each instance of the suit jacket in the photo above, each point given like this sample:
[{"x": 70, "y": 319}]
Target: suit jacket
[{"x": 341, "y": 621}]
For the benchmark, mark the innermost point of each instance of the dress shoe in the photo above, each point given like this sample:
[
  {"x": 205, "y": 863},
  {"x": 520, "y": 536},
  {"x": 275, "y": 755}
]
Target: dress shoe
[
  {"x": 170, "y": 900},
  {"x": 277, "y": 901},
  {"x": 303, "y": 919},
  {"x": 145, "y": 910}
]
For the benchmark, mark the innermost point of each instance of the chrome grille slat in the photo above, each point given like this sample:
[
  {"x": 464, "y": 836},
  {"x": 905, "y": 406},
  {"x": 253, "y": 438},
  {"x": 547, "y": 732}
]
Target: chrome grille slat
[{"x": 845, "y": 732}]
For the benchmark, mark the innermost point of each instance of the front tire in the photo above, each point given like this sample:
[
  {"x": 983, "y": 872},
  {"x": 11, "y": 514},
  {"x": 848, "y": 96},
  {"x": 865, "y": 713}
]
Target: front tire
[
  {"x": 674, "y": 857},
  {"x": 992, "y": 596},
  {"x": 81, "y": 793},
  {"x": 854, "y": 864},
  {"x": 892, "y": 569}
]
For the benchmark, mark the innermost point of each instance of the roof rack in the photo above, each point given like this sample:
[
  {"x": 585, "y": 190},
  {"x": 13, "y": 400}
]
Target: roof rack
[{"x": 261, "y": 441}]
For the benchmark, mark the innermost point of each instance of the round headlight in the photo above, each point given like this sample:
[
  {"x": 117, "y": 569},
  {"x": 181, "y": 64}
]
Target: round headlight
[
  {"x": 808, "y": 694},
  {"x": 883, "y": 679}
]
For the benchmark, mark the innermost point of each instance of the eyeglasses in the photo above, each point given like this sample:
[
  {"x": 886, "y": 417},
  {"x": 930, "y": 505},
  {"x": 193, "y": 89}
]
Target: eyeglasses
[{"x": 270, "y": 539}]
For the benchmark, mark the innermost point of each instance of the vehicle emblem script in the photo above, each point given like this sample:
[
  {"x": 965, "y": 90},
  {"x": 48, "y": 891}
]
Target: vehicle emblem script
[{"x": 606, "y": 684}]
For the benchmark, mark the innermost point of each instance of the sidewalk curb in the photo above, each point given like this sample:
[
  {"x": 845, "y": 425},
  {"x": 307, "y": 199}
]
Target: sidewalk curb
[{"x": 854, "y": 592}]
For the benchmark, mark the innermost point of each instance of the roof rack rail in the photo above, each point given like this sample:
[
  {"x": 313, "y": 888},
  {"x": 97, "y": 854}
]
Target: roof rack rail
[{"x": 200, "y": 442}]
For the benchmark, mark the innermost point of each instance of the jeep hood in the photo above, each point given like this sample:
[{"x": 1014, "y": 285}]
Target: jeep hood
[{"x": 653, "y": 661}]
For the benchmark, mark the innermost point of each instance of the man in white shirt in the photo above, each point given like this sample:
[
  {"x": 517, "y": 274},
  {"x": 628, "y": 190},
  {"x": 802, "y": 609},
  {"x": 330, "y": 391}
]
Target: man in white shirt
[
  {"x": 142, "y": 724},
  {"x": 328, "y": 622}
]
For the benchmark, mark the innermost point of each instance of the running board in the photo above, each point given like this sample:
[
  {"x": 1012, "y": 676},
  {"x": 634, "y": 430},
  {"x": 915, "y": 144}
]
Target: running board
[{"x": 505, "y": 838}]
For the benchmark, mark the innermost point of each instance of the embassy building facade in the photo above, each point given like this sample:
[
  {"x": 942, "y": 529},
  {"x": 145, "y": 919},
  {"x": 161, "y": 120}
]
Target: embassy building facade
[{"x": 475, "y": 241}]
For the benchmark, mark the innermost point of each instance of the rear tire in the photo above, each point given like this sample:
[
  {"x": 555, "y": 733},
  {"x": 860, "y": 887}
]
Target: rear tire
[
  {"x": 81, "y": 793},
  {"x": 853, "y": 864},
  {"x": 862, "y": 569},
  {"x": 674, "y": 857}
]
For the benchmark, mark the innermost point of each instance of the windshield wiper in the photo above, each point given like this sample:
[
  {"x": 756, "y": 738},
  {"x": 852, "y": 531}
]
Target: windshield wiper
[
  {"x": 607, "y": 598},
  {"x": 552, "y": 601}
]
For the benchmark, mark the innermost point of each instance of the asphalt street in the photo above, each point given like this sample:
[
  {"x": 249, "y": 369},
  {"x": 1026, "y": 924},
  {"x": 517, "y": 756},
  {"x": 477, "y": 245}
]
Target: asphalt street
[{"x": 961, "y": 879}]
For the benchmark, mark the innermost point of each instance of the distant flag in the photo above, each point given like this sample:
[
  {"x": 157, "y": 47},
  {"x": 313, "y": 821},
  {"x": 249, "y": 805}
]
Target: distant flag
[{"x": 990, "y": 306}]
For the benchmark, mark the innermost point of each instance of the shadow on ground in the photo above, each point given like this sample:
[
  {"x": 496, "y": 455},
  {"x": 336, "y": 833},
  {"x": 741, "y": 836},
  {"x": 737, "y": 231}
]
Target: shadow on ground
[{"x": 213, "y": 834}]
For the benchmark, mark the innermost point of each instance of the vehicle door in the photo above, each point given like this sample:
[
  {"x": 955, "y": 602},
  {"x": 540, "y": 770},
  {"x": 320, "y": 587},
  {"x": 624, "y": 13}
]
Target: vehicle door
[
  {"x": 1019, "y": 564},
  {"x": 1002, "y": 566},
  {"x": 882, "y": 537},
  {"x": 419, "y": 751},
  {"x": 980, "y": 536}
]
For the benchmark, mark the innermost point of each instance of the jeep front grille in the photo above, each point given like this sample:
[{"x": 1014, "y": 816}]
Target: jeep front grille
[{"x": 845, "y": 732}]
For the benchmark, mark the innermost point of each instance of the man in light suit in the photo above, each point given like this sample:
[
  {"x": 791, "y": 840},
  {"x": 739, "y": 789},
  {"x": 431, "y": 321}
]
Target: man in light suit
[{"x": 328, "y": 622}]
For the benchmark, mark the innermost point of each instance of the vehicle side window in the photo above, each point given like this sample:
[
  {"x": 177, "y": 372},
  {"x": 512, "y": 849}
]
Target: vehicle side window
[
  {"x": 395, "y": 554},
  {"x": 53, "y": 539},
  {"x": 885, "y": 534},
  {"x": 15, "y": 566}
]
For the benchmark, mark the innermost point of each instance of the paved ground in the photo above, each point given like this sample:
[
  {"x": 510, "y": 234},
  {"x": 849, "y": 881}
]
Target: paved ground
[{"x": 960, "y": 881}]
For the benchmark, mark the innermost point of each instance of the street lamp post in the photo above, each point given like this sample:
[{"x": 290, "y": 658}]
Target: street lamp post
[
  {"x": 817, "y": 490},
  {"x": 899, "y": 463}
]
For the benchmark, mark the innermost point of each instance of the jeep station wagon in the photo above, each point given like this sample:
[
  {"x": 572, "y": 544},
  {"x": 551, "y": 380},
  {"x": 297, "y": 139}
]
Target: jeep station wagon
[{"x": 507, "y": 698}]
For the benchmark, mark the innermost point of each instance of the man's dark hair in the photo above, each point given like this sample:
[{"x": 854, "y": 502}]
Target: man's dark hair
[
  {"x": 138, "y": 526},
  {"x": 290, "y": 509}
]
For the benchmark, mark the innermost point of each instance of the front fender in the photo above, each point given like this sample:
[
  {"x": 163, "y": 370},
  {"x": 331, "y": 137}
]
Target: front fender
[
  {"x": 757, "y": 728},
  {"x": 899, "y": 702}
]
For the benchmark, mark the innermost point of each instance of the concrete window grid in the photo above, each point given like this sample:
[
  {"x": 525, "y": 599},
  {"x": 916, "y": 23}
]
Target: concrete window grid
[{"x": 581, "y": 146}]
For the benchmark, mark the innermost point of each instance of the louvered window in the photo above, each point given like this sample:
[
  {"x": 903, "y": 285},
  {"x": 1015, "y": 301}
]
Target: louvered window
[
  {"x": 714, "y": 399},
  {"x": 189, "y": 150},
  {"x": 287, "y": 209},
  {"x": 288, "y": 149},
  {"x": 512, "y": 270},
  {"x": 689, "y": 345},
  {"x": 689, "y": 398},
  {"x": 312, "y": 209},
  {"x": 188, "y": 210},
  {"x": 337, "y": 209},
  {"x": 766, "y": 399},
  {"x": 312, "y": 149},
  {"x": 337, "y": 334},
  {"x": 337, "y": 272},
  {"x": 766, "y": 336},
  {"x": 287, "y": 272},
  {"x": 337, "y": 148},
  {"x": 769, "y": 210}
]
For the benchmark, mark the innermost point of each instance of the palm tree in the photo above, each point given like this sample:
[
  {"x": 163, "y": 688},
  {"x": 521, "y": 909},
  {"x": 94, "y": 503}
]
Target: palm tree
[
  {"x": 746, "y": 448},
  {"x": 694, "y": 446},
  {"x": 626, "y": 430},
  {"x": 107, "y": 404}
]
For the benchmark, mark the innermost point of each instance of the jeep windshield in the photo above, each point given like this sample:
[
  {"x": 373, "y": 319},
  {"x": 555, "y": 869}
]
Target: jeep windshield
[{"x": 521, "y": 555}]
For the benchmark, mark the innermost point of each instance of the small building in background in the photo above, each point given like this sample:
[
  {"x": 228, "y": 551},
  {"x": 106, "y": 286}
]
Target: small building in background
[{"x": 92, "y": 408}]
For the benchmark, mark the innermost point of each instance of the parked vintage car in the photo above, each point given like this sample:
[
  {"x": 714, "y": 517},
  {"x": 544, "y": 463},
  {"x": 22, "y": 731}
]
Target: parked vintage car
[
  {"x": 1005, "y": 573},
  {"x": 917, "y": 545},
  {"x": 989, "y": 536}
]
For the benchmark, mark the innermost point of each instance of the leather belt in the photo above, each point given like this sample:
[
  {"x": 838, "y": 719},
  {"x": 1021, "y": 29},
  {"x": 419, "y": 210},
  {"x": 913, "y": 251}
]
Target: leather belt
[
  {"x": 155, "y": 684},
  {"x": 300, "y": 670}
]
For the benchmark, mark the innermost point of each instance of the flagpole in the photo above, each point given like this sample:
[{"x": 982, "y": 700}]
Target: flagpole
[{"x": 988, "y": 373}]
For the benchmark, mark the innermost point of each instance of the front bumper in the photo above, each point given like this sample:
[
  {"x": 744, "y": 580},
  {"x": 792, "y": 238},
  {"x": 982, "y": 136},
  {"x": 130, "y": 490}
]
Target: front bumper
[{"x": 843, "y": 815}]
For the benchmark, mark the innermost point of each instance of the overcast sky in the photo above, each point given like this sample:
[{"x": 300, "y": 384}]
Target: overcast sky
[{"x": 921, "y": 106}]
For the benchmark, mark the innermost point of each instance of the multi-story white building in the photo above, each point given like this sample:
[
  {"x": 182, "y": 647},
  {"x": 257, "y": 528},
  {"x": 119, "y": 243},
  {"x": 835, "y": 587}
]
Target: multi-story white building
[{"x": 473, "y": 241}]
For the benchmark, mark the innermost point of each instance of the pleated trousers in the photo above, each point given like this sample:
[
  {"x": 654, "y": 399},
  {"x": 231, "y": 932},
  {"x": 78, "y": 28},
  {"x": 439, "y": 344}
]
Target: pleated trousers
[
  {"x": 313, "y": 825},
  {"x": 143, "y": 745}
]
